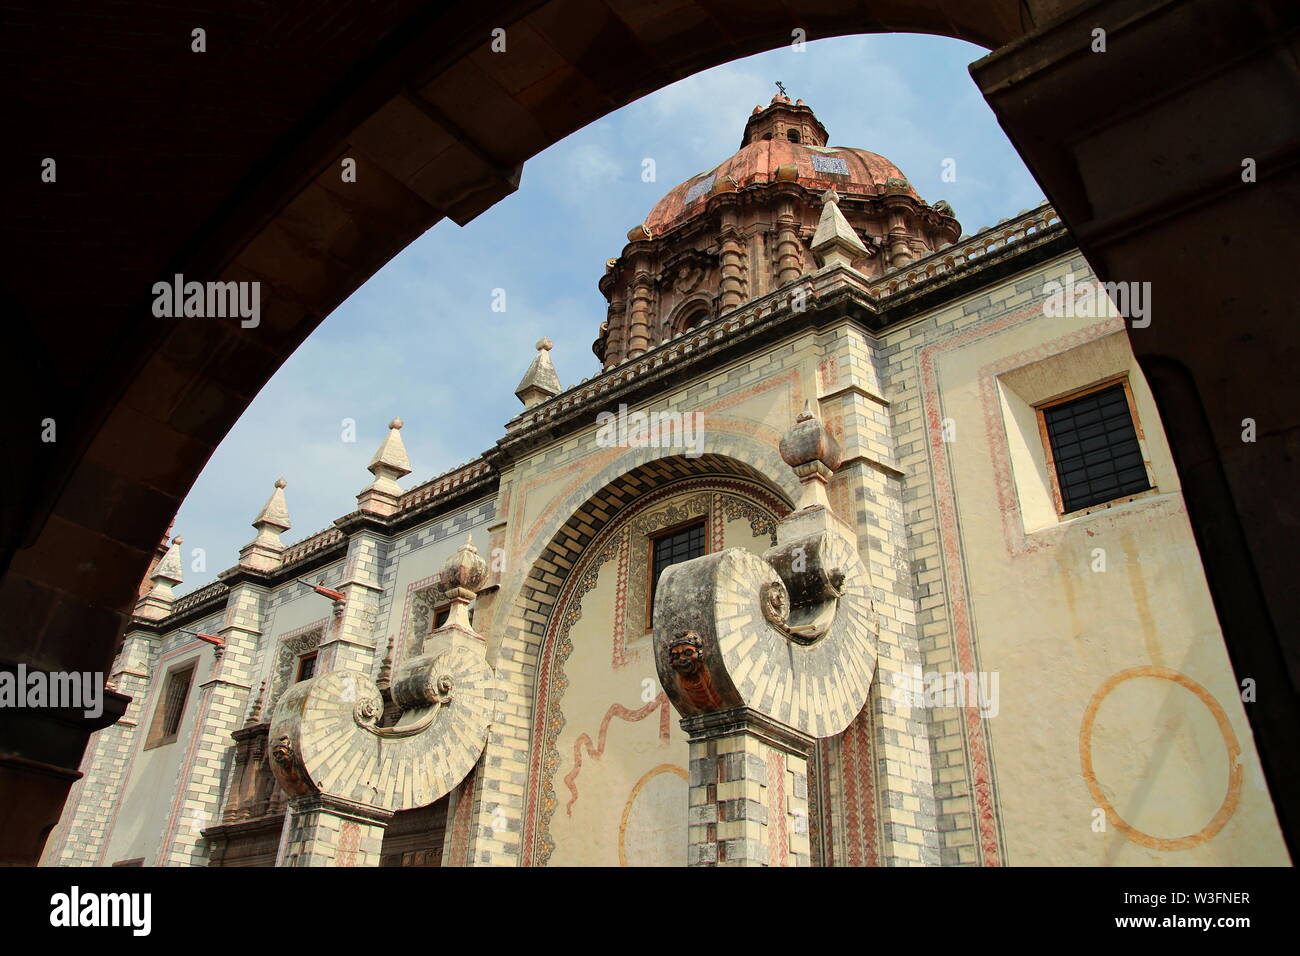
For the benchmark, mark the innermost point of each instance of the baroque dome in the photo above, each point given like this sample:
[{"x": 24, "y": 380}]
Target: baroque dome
[
  {"x": 745, "y": 229},
  {"x": 852, "y": 172}
]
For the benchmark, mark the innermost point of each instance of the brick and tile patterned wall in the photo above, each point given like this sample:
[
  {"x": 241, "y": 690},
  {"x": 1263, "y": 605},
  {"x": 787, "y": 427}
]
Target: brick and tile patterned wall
[
  {"x": 963, "y": 802},
  {"x": 324, "y": 832},
  {"x": 903, "y": 785},
  {"x": 83, "y": 830},
  {"x": 748, "y": 804},
  {"x": 223, "y": 701}
]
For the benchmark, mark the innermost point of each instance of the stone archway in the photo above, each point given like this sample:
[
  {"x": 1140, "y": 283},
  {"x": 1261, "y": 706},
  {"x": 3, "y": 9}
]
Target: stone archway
[{"x": 572, "y": 719}]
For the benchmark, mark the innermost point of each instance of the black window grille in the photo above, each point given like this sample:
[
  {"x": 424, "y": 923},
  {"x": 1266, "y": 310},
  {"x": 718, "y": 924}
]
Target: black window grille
[
  {"x": 1095, "y": 448},
  {"x": 674, "y": 548},
  {"x": 178, "y": 690}
]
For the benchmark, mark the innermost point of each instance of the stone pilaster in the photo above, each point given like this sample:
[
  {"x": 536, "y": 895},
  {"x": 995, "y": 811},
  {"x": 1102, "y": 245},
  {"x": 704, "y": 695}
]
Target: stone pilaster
[
  {"x": 879, "y": 788},
  {"x": 748, "y": 791},
  {"x": 638, "y": 339},
  {"x": 349, "y": 642},
  {"x": 789, "y": 263},
  {"x": 323, "y": 830},
  {"x": 616, "y": 348},
  {"x": 223, "y": 702},
  {"x": 734, "y": 289},
  {"x": 900, "y": 249}
]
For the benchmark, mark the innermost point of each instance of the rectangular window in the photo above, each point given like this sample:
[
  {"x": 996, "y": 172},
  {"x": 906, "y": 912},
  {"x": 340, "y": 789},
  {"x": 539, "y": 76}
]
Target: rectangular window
[
  {"x": 1093, "y": 447},
  {"x": 307, "y": 666},
  {"x": 170, "y": 711},
  {"x": 673, "y": 547}
]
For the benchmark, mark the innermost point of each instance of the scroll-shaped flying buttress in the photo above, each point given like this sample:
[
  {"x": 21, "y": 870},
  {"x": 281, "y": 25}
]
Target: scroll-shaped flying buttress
[
  {"x": 790, "y": 635},
  {"x": 325, "y": 736}
]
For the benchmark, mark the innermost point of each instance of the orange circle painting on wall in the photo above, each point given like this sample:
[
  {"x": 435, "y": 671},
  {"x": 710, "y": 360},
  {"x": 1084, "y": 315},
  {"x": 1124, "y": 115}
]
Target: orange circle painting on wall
[{"x": 1234, "y": 771}]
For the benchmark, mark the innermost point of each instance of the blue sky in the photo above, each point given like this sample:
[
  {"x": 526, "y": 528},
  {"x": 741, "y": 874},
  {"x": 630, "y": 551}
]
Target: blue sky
[{"x": 420, "y": 339}]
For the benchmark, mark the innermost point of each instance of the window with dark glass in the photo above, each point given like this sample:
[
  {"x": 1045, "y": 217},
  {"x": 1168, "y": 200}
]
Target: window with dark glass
[
  {"x": 171, "y": 708},
  {"x": 694, "y": 318},
  {"x": 681, "y": 544},
  {"x": 307, "y": 666},
  {"x": 1094, "y": 447}
]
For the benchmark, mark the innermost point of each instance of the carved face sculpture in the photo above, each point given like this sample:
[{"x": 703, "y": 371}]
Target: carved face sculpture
[
  {"x": 684, "y": 655},
  {"x": 282, "y": 752},
  {"x": 686, "y": 660}
]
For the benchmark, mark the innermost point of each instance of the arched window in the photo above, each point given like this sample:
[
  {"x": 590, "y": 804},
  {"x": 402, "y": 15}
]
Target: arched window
[
  {"x": 688, "y": 317},
  {"x": 792, "y": 135},
  {"x": 694, "y": 317}
]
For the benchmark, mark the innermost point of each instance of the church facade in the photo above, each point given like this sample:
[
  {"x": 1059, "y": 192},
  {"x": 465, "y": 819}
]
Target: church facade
[{"x": 864, "y": 547}]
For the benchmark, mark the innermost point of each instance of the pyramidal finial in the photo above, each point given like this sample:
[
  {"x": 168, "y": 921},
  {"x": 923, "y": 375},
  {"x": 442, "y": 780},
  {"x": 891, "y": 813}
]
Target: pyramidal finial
[
  {"x": 383, "y": 495},
  {"x": 274, "y": 515},
  {"x": 835, "y": 242},
  {"x": 157, "y": 603},
  {"x": 169, "y": 568},
  {"x": 391, "y": 456},
  {"x": 266, "y": 551},
  {"x": 540, "y": 381}
]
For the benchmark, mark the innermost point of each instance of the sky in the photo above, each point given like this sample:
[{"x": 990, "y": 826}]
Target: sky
[{"x": 421, "y": 341}]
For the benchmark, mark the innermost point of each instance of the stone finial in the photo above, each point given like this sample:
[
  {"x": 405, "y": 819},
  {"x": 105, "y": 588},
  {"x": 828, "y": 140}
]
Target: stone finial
[
  {"x": 255, "y": 715},
  {"x": 461, "y": 578},
  {"x": 540, "y": 381},
  {"x": 463, "y": 571},
  {"x": 157, "y": 604},
  {"x": 383, "y": 495},
  {"x": 814, "y": 454},
  {"x": 266, "y": 551},
  {"x": 835, "y": 242},
  {"x": 385, "y": 678}
]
